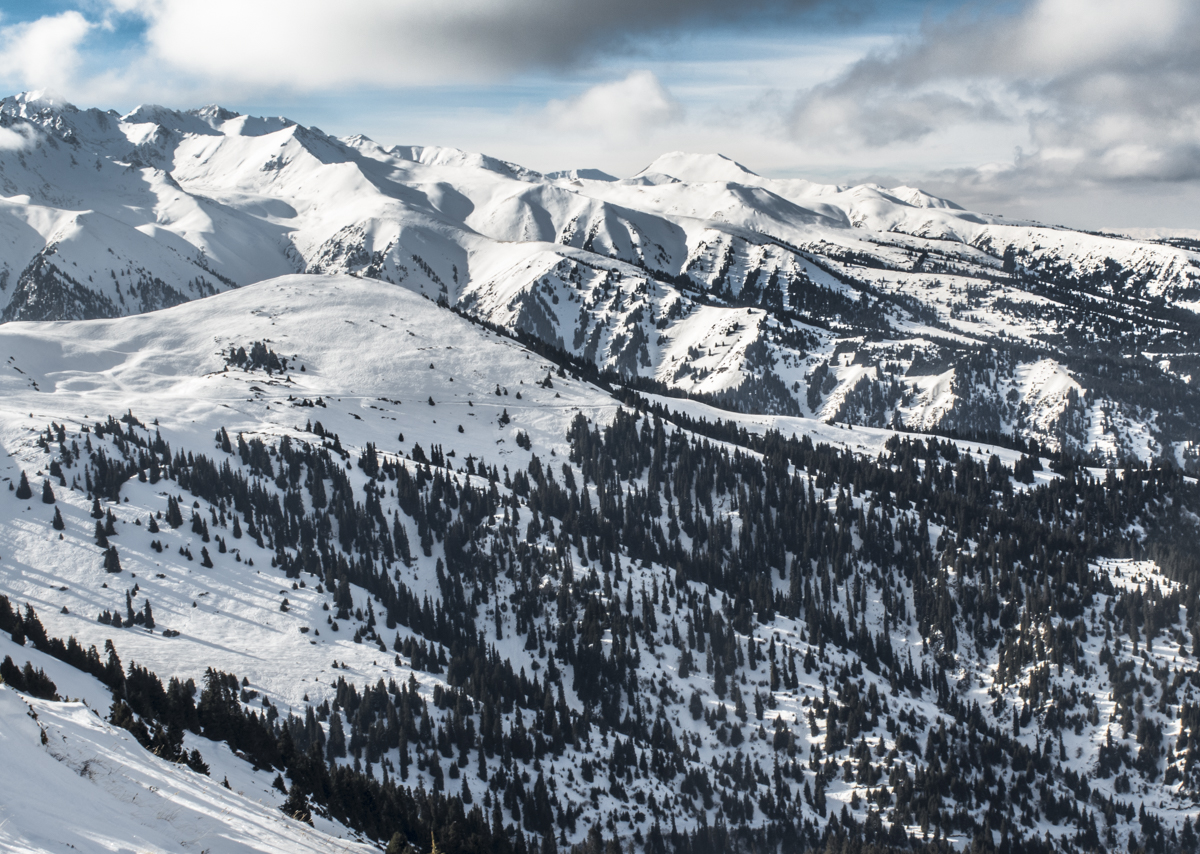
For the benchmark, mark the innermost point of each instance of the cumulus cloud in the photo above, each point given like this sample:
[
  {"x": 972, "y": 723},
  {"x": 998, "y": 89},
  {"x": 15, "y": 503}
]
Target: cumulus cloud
[
  {"x": 1105, "y": 91},
  {"x": 620, "y": 110},
  {"x": 43, "y": 54}
]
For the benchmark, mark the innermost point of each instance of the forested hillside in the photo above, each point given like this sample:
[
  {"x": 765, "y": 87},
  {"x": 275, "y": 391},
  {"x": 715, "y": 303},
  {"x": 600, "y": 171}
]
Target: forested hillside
[{"x": 437, "y": 588}]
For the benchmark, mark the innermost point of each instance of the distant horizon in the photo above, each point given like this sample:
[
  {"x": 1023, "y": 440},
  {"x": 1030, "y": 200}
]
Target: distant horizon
[
  {"x": 1133, "y": 232},
  {"x": 1031, "y": 109}
]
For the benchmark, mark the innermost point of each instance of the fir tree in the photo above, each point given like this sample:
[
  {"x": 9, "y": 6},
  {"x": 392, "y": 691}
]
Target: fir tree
[
  {"x": 336, "y": 743},
  {"x": 23, "y": 490},
  {"x": 47, "y": 492},
  {"x": 196, "y": 762},
  {"x": 296, "y": 806},
  {"x": 174, "y": 515}
]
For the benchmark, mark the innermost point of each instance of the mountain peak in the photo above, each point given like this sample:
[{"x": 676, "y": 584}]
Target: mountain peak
[
  {"x": 214, "y": 114},
  {"x": 40, "y": 101},
  {"x": 699, "y": 168}
]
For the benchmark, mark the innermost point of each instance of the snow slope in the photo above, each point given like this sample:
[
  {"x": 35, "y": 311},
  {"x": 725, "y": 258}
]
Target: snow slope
[
  {"x": 378, "y": 364},
  {"x": 76, "y": 782}
]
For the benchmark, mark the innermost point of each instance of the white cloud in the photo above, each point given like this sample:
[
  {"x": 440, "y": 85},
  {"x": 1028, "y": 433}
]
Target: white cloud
[
  {"x": 619, "y": 110},
  {"x": 12, "y": 139},
  {"x": 42, "y": 54}
]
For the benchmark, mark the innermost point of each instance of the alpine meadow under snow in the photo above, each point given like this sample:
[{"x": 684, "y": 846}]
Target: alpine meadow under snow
[{"x": 364, "y": 498}]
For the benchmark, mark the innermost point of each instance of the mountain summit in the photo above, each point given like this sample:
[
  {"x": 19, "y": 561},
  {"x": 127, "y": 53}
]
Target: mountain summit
[{"x": 700, "y": 168}]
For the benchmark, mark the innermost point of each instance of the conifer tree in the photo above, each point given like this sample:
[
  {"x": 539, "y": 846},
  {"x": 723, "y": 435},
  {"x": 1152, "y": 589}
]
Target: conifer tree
[
  {"x": 335, "y": 746},
  {"x": 296, "y": 806},
  {"x": 174, "y": 516},
  {"x": 47, "y": 492},
  {"x": 23, "y": 490},
  {"x": 112, "y": 562},
  {"x": 58, "y": 522}
]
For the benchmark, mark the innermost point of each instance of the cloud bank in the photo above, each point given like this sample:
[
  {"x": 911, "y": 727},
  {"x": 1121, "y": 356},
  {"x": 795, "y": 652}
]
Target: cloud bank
[{"x": 1105, "y": 90}]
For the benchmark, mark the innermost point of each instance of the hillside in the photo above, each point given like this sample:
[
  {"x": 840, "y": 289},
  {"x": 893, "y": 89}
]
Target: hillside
[
  {"x": 441, "y": 583},
  {"x": 852, "y": 304}
]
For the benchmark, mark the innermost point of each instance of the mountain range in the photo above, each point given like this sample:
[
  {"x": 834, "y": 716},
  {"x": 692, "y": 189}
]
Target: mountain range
[
  {"x": 408, "y": 499},
  {"x": 855, "y": 304}
]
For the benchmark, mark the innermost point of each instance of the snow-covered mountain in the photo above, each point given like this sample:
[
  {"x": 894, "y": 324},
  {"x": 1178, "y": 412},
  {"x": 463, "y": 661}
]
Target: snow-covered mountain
[
  {"x": 371, "y": 562},
  {"x": 857, "y": 304},
  {"x": 408, "y": 498}
]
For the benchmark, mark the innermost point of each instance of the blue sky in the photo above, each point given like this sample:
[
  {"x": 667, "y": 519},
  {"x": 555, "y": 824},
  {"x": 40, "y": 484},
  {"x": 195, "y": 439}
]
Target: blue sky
[{"x": 1075, "y": 111}]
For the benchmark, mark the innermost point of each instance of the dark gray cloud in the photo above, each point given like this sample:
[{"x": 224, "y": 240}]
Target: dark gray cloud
[
  {"x": 309, "y": 45},
  {"x": 520, "y": 33}
]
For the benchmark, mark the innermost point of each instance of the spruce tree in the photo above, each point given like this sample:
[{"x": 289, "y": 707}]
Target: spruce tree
[
  {"x": 336, "y": 745},
  {"x": 112, "y": 562},
  {"x": 23, "y": 490},
  {"x": 196, "y": 762},
  {"x": 296, "y": 806},
  {"x": 174, "y": 516},
  {"x": 47, "y": 493},
  {"x": 58, "y": 522}
]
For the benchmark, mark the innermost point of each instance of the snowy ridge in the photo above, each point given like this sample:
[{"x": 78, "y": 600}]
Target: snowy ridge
[{"x": 105, "y": 215}]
